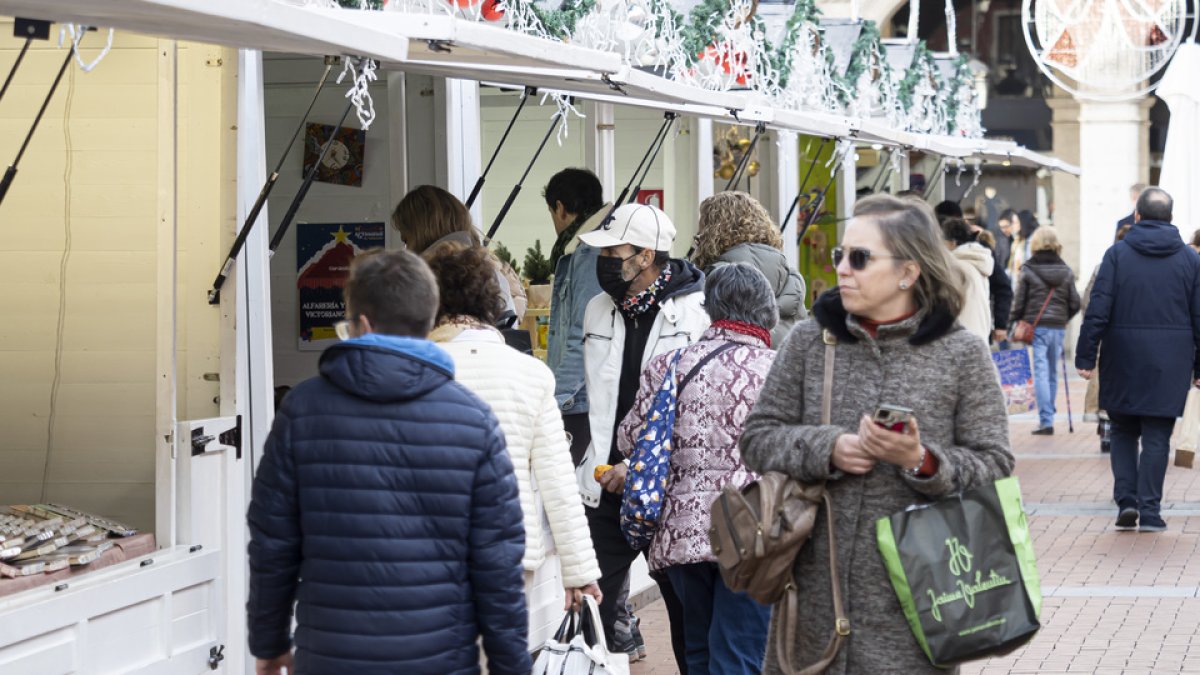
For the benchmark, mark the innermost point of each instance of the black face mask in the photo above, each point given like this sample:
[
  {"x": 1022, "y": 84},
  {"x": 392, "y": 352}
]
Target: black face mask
[{"x": 609, "y": 272}]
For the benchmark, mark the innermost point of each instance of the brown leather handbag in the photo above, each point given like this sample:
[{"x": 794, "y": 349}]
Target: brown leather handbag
[
  {"x": 1023, "y": 330},
  {"x": 758, "y": 531}
]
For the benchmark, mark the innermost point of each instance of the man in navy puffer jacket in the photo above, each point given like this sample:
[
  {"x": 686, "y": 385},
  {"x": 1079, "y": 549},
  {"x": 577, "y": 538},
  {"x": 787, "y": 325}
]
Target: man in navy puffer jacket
[
  {"x": 1145, "y": 310},
  {"x": 385, "y": 507}
]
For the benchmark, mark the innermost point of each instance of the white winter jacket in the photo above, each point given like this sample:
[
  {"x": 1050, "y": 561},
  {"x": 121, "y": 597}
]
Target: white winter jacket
[
  {"x": 520, "y": 391},
  {"x": 976, "y": 262},
  {"x": 680, "y": 321}
]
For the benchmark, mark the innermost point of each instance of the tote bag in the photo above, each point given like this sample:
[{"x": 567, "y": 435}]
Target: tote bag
[
  {"x": 1016, "y": 380},
  {"x": 964, "y": 571},
  {"x": 578, "y": 647},
  {"x": 1189, "y": 431}
]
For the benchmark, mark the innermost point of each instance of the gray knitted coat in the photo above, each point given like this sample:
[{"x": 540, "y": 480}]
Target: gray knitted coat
[{"x": 927, "y": 363}]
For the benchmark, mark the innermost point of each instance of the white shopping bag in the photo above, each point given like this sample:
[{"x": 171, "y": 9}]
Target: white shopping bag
[
  {"x": 578, "y": 647},
  {"x": 1188, "y": 440}
]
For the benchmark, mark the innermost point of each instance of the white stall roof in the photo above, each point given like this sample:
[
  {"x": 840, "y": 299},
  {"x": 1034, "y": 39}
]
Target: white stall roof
[
  {"x": 459, "y": 48},
  {"x": 251, "y": 24}
]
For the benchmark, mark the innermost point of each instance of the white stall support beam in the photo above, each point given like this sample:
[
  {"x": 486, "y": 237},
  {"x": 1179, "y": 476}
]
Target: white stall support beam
[
  {"x": 704, "y": 159},
  {"x": 167, "y": 263},
  {"x": 601, "y": 146},
  {"x": 463, "y": 142},
  {"x": 787, "y": 184}
]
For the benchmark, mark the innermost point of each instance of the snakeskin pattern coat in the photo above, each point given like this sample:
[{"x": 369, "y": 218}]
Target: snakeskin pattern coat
[{"x": 710, "y": 414}]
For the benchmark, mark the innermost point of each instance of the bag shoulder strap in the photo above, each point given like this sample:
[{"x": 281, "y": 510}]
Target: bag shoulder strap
[
  {"x": 700, "y": 364},
  {"x": 786, "y": 641},
  {"x": 1049, "y": 295},
  {"x": 827, "y": 388}
]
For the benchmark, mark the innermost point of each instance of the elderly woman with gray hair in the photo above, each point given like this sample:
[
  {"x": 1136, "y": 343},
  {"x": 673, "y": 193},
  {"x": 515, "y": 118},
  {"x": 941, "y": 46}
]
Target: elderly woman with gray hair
[
  {"x": 892, "y": 321},
  {"x": 725, "y": 632}
]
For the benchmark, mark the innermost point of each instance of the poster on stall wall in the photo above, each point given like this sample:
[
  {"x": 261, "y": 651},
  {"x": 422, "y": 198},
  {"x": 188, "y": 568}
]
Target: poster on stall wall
[{"x": 323, "y": 255}]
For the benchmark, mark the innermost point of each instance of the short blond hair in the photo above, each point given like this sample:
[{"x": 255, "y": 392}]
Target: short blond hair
[{"x": 1045, "y": 238}]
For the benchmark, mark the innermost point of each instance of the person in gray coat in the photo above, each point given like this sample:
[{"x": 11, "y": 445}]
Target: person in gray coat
[
  {"x": 735, "y": 228},
  {"x": 897, "y": 342}
]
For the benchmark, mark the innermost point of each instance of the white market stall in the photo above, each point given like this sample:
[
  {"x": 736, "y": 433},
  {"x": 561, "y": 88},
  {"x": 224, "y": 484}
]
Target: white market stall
[{"x": 179, "y": 609}]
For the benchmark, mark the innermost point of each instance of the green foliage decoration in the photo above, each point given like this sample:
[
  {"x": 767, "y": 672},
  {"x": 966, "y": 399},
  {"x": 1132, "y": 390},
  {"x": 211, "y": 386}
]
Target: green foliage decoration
[
  {"x": 860, "y": 60},
  {"x": 561, "y": 22},
  {"x": 806, "y": 11},
  {"x": 922, "y": 66},
  {"x": 962, "y": 77},
  {"x": 701, "y": 29}
]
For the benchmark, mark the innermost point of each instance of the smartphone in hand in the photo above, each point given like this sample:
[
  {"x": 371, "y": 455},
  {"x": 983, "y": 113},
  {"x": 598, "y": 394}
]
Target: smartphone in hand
[{"x": 892, "y": 417}]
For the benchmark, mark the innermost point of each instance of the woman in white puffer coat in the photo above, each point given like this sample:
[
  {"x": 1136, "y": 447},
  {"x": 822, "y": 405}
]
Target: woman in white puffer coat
[
  {"x": 520, "y": 390},
  {"x": 976, "y": 263}
]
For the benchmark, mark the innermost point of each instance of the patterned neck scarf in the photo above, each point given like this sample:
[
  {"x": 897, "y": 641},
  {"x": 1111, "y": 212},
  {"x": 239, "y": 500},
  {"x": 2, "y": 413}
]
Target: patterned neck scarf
[{"x": 643, "y": 302}]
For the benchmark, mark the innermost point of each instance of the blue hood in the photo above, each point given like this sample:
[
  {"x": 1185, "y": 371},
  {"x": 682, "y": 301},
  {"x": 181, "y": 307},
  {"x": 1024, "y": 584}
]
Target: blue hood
[
  {"x": 386, "y": 367},
  {"x": 1154, "y": 238}
]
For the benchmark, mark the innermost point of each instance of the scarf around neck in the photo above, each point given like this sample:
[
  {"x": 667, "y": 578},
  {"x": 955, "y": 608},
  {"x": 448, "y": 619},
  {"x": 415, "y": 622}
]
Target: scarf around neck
[{"x": 643, "y": 302}]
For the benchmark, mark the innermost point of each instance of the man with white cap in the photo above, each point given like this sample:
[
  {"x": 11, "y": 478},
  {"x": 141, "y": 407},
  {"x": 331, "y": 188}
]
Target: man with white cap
[{"x": 651, "y": 304}]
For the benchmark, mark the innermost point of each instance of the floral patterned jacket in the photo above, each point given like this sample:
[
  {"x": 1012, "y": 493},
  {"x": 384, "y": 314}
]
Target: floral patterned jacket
[{"x": 708, "y": 422}]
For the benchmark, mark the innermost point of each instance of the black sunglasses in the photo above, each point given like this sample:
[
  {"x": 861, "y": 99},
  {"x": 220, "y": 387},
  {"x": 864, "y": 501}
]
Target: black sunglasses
[{"x": 859, "y": 257}]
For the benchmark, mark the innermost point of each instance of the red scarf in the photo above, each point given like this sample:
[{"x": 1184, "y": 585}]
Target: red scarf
[
  {"x": 745, "y": 329},
  {"x": 872, "y": 327}
]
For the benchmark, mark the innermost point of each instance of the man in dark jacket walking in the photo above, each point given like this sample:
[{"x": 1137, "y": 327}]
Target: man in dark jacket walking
[
  {"x": 385, "y": 507},
  {"x": 1145, "y": 309}
]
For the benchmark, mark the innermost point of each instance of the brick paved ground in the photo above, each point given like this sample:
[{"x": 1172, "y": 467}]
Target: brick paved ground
[{"x": 1116, "y": 602}]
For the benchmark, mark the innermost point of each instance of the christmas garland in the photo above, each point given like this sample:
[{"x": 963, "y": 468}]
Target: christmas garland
[
  {"x": 660, "y": 9},
  {"x": 704, "y": 21},
  {"x": 865, "y": 46},
  {"x": 361, "y": 4},
  {"x": 806, "y": 12},
  {"x": 922, "y": 66},
  {"x": 962, "y": 77},
  {"x": 561, "y": 22}
]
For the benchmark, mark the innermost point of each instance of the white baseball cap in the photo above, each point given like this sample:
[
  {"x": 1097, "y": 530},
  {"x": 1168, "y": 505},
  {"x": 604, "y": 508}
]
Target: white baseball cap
[{"x": 638, "y": 225}]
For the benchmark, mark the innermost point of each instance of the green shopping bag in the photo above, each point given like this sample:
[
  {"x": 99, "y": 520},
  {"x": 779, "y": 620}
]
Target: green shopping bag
[{"x": 964, "y": 571}]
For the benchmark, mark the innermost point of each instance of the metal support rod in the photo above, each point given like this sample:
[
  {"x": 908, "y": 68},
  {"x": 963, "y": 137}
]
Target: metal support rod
[
  {"x": 16, "y": 64},
  {"x": 661, "y": 142},
  {"x": 11, "y": 172},
  {"x": 885, "y": 169},
  {"x": 512, "y": 196},
  {"x": 290, "y": 215},
  {"x": 214, "y": 295},
  {"x": 937, "y": 175},
  {"x": 820, "y": 200},
  {"x": 759, "y": 130},
  {"x": 662, "y": 131},
  {"x": 529, "y": 91},
  {"x": 803, "y": 185}
]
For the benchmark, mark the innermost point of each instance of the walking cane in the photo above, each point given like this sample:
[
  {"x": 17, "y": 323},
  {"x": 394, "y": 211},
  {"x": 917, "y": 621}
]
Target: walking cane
[{"x": 1067, "y": 389}]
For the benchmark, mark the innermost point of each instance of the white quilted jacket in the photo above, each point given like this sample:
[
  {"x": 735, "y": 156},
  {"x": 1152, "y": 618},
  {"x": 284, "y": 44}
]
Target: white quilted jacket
[{"x": 520, "y": 390}]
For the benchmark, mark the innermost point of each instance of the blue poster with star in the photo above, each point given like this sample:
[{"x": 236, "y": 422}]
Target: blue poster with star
[{"x": 323, "y": 255}]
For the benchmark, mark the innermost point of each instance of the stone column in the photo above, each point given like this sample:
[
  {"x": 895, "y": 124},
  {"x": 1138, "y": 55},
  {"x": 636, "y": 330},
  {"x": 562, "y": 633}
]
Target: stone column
[
  {"x": 1113, "y": 154},
  {"x": 1065, "y": 122}
]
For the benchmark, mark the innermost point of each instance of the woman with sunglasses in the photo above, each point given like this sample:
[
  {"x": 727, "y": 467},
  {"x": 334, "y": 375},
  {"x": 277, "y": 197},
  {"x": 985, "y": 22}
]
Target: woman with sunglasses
[
  {"x": 897, "y": 344},
  {"x": 520, "y": 390}
]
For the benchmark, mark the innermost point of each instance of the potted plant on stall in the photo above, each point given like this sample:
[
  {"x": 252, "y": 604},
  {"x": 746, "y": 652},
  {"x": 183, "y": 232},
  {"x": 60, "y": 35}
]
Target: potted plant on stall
[
  {"x": 507, "y": 258},
  {"x": 538, "y": 271}
]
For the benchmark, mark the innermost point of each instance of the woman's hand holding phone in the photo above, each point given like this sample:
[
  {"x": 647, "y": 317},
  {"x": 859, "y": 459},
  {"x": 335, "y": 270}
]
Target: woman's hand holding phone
[
  {"x": 849, "y": 456},
  {"x": 902, "y": 449}
]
